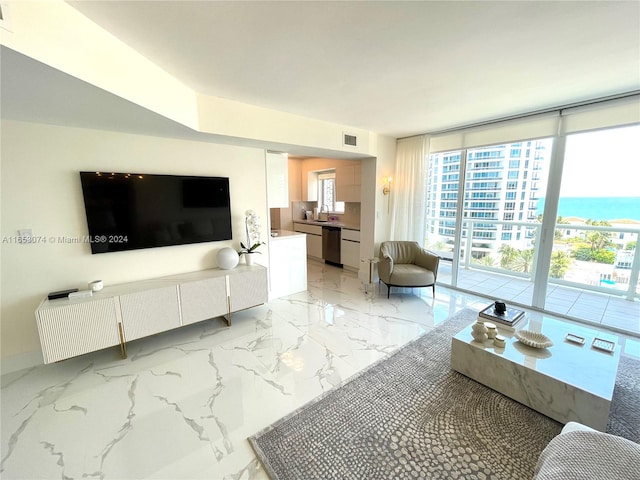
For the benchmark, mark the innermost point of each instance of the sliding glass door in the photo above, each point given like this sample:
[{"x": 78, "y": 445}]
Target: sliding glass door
[
  {"x": 443, "y": 185},
  {"x": 490, "y": 237},
  {"x": 550, "y": 221}
]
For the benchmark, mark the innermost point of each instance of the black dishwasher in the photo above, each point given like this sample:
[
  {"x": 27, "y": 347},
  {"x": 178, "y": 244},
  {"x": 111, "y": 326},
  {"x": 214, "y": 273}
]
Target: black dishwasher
[{"x": 331, "y": 245}]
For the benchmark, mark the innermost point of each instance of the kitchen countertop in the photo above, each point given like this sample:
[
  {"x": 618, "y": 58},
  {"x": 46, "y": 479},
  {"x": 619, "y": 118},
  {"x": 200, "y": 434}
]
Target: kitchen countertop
[
  {"x": 328, "y": 224},
  {"x": 285, "y": 234}
]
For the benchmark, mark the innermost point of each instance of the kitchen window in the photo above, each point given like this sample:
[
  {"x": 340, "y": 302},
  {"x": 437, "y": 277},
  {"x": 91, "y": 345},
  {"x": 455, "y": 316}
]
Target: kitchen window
[{"x": 327, "y": 194}]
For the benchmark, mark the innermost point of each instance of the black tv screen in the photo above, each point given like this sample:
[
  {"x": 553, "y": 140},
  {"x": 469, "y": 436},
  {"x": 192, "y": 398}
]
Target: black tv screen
[{"x": 129, "y": 211}]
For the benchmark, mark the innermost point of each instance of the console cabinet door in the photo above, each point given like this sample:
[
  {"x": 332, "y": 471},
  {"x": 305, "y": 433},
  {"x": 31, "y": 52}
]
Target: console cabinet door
[
  {"x": 149, "y": 312},
  {"x": 248, "y": 289},
  {"x": 72, "y": 329},
  {"x": 203, "y": 299}
]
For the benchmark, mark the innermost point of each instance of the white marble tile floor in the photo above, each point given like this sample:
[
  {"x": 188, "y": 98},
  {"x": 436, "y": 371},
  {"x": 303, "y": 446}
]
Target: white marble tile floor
[{"x": 183, "y": 403}]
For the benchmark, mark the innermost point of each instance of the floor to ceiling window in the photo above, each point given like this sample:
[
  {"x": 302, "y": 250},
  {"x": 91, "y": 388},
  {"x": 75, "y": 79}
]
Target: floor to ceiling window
[
  {"x": 598, "y": 219},
  {"x": 501, "y": 187},
  {"x": 551, "y": 221},
  {"x": 443, "y": 181}
]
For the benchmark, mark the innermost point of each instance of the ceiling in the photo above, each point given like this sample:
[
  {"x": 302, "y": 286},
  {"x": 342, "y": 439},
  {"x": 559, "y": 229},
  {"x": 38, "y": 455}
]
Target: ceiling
[{"x": 395, "y": 68}]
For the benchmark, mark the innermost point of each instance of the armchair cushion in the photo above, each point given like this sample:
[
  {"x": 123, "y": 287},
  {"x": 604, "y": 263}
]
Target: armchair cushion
[{"x": 408, "y": 274}]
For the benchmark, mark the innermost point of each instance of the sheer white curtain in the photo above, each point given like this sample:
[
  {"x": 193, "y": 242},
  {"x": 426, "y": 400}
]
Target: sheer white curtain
[{"x": 408, "y": 189}]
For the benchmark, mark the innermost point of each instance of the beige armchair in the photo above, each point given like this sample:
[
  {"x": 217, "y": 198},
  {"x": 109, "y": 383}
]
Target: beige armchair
[{"x": 407, "y": 264}]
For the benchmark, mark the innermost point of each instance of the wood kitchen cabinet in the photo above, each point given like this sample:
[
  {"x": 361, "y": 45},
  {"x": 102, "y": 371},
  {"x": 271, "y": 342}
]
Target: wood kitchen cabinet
[
  {"x": 348, "y": 182},
  {"x": 311, "y": 186}
]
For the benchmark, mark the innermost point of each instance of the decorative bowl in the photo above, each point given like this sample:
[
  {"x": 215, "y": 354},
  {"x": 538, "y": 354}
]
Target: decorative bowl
[{"x": 534, "y": 339}]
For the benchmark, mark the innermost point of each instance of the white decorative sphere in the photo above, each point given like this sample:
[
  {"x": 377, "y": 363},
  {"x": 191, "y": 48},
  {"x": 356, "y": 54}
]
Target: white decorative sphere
[{"x": 227, "y": 258}]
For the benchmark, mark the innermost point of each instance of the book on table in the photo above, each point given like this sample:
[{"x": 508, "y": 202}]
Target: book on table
[{"x": 510, "y": 317}]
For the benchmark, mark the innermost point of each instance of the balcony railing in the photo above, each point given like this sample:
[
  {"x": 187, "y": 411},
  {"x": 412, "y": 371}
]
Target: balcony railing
[{"x": 610, "y": 269}]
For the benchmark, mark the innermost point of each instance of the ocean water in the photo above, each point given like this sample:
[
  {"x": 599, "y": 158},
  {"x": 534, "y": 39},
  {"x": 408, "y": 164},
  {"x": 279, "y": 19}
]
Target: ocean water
[{"x": 597, "y": 208}]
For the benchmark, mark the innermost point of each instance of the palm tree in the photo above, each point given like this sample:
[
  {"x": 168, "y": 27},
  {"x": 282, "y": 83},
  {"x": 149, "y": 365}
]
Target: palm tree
[
  {"x": 508, "y": 256},
  {"x": 560, "y": 263},
  {"x": 524, "y": 260},
  {"x": 599, "y": 240},
  {"x": 487, "y": 260}
]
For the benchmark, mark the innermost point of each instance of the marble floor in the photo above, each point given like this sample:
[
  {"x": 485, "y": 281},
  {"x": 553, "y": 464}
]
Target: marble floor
[{"x": 182, "y": 405}]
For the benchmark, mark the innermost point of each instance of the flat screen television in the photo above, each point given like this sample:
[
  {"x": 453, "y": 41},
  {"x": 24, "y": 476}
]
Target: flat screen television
[{"x": 129, "y": 211}]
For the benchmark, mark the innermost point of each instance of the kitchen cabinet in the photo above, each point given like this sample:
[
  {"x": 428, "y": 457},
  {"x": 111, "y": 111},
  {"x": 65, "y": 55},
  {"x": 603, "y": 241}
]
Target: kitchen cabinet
[
  {"x": 311, "y": 187},
  {"x": 314, "y": 238},
  {"x": 348, "y": 182},
  {"x": 350, "y": 249},
  {"x": 277, "y": 165},
  {"x": 288, "y": 260}
]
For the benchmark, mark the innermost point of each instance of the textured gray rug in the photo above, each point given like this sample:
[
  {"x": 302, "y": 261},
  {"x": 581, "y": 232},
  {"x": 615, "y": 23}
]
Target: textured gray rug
[{"x": 410, "y": 416}]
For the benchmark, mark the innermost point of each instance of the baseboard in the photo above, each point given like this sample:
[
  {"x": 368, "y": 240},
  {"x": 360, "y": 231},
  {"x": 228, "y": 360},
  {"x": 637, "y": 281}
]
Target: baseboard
[{"x": 15, "y": 363}]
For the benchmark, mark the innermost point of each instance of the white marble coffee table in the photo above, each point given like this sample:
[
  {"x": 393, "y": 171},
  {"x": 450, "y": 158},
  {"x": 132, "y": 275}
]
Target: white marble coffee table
[{"x": 567, "y": 382}]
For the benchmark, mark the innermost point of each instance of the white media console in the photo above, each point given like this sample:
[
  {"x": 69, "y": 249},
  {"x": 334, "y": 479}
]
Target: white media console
[{"x": 121, "y": 313}]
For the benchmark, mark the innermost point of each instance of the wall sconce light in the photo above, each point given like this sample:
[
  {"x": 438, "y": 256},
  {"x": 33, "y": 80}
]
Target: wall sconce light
[{"x": 386, "y": 189}]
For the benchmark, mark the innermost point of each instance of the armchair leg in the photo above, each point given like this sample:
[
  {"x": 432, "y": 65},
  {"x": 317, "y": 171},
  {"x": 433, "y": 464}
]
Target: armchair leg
[
  {"x": 388, "y": 291},
  {"x": 433, "y": 287}
]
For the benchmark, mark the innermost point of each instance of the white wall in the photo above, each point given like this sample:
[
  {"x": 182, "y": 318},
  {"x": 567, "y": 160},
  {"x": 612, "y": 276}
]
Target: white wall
[
  {"x": 378, "y": 206},
  {"x": 41, "y": 191}
]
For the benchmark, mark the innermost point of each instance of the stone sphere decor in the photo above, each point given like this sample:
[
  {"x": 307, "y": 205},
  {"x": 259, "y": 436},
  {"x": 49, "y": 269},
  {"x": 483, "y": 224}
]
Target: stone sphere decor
[{"x": 227, "y": 258}]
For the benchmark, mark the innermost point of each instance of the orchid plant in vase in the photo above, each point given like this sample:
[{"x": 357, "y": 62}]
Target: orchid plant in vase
[{"x": 252, "y": 229}]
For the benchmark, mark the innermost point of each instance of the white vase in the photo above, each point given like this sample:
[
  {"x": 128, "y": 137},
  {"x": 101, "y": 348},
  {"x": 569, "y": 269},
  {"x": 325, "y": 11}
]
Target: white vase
[
  {"x": 248, "y": 258},
  {"x": 479, "y": 331}
]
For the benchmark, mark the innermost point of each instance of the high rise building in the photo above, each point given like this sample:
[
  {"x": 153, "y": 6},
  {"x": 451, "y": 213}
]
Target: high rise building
[{"x": 502, "y": 186}]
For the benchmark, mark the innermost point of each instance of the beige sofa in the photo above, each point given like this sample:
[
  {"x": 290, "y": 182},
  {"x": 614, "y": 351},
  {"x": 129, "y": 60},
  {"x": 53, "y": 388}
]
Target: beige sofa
[
  {"x": 407, "y": 264},
  {"x": 581, "y": 453}
]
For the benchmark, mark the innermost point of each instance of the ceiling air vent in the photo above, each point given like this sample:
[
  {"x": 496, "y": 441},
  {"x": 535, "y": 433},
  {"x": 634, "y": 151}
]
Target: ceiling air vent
[{"x": 349, "y": 140}]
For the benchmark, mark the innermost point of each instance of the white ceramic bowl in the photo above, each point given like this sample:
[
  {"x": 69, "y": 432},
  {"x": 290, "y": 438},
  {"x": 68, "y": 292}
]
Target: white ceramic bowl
[{"x": 534, "y": 339}]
